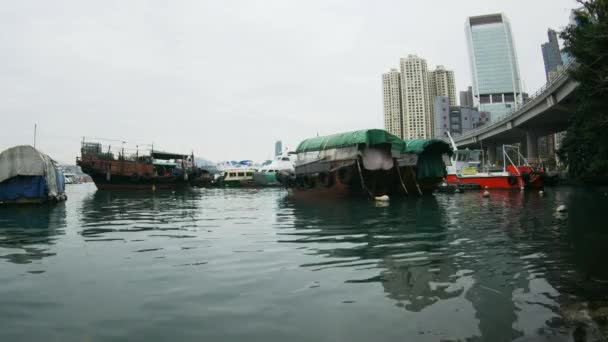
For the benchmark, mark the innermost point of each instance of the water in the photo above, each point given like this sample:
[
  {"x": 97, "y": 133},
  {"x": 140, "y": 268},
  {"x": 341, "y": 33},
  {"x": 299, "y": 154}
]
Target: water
[{"x": 254, "y": 265}]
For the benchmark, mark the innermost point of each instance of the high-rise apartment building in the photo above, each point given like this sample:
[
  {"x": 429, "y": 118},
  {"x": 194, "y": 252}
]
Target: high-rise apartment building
[
  {"x": 416, "y": 98},
  {"x": 466, "y": 98},
  {"x": 391, "y": 90},
  {"x": 278, "y": 148},
  {"x": 551, "y": 53},
  {"x": 494, "y": 68},
  {"x": 441, "y": 83}
]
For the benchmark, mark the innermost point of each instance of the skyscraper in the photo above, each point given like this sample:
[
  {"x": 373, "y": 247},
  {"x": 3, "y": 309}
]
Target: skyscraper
[
  {"x": 441, "y": 83},
  {"x": 278, "y": 148},
  {"x": 551, "y": 53},
  {"x": 391, "y": 89},
  {"x": 416, "y": 98},
  {"x": 494, "y": 68},
  {"x": 466, "y": 98}
]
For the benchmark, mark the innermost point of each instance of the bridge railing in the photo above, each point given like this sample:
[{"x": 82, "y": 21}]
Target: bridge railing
[{"x": 563, "y": 73}]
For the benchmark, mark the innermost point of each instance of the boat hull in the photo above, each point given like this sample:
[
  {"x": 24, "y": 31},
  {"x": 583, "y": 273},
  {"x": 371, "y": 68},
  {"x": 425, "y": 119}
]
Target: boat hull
[
  {"x": 265, "y": 179},
  {"x": 241, "y": 183},
  {"x": 498, "y": 182},
  {"x": 128, "y": 183},
  {"x": 373, "y": 184}
]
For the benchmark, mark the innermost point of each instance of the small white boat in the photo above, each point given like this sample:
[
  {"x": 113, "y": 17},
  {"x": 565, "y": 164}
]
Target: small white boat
[
  {"x": 266, "y": 175},
  {"x": 238, "y": 177}
]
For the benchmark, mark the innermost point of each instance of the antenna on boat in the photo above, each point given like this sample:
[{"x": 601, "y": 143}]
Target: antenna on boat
[{"x": 35, "y": 128}]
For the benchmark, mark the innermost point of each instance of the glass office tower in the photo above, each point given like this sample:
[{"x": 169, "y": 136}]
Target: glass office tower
[{"x": 494, "y": 68}]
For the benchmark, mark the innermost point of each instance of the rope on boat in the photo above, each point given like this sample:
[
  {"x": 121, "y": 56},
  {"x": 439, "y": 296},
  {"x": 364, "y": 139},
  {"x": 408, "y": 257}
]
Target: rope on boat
[
  {"x": 363, "y": 181},
  {"x": 401, "y": 180},
  {"x": 415, "y": 181}
]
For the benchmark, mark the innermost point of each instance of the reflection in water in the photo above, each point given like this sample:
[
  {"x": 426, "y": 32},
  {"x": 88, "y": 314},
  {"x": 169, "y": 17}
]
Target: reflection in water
[
  {"x": 171, "y": 213},
  {"x": 26, "y": 232},
  {"x": 246, "y": 264},
  {"x": 506, "y": 260}
]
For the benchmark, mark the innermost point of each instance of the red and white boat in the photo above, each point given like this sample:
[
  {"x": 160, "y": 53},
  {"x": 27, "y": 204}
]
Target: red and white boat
[{"x": 468, "y": 167}]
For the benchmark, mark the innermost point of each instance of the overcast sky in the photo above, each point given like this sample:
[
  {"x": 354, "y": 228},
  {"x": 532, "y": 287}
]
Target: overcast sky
[{"x": 228, "y": 78}]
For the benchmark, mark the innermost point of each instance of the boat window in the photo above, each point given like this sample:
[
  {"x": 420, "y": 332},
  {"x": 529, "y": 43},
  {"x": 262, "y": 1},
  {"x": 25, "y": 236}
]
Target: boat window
[
  {"x": 241, "y": 174},
  {"x": 270, "y": 171},
  {"x": 232, "y": 174},
  {"x": 249, "y": 174},
  {"x": 285, "y": 159}
]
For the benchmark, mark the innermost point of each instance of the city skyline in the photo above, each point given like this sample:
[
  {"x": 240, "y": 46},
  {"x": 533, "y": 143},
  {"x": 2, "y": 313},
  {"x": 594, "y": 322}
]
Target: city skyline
[{"x": 141, "y": 72}]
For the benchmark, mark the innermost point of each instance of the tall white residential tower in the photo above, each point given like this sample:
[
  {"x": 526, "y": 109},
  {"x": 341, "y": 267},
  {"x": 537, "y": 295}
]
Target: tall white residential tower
[
  {"x": 416, "y": 98},
  {"x": 391, "y": 89}
]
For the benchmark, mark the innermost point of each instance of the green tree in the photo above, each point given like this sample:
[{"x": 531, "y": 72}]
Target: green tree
[{"x": 585, "y": 147}]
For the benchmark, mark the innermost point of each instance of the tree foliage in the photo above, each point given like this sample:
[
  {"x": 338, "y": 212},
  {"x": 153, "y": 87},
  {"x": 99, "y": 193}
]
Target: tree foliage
[{"x": 585, "y": 147}]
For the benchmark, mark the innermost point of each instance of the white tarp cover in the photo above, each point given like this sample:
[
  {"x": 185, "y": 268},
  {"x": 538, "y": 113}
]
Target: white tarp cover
[
  {"x": 376, "y": 159},
  {"x": 334, "y": 154},
  {"x": 25, "y": 160}
]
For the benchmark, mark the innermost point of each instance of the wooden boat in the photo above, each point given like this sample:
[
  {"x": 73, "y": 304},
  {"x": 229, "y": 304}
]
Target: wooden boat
[
  {"x": 139, "y": 170},
  {"x": 366, "y": 163}
]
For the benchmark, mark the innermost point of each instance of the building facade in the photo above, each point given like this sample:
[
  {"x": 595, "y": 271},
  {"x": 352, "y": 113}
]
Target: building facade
[
  {"x": 391, "y": 91},
  {"x": 416, "y": 98},
  {"x": 441, "y": 107},
  {"x": 552, "y": 56},
  {"x": 494, "y": 67},
  {"x": 466, "y": 98},
  {"x": 441, "y": 83},
  {"x": 456, "y": 119}
]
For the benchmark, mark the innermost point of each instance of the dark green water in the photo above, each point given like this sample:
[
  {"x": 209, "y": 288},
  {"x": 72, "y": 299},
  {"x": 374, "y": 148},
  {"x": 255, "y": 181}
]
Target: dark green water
[{"x": 253, "y": 265}]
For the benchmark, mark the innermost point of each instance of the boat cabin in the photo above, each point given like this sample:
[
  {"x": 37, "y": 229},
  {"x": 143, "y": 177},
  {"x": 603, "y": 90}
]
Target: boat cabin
[{"x": 238, "y": 174}]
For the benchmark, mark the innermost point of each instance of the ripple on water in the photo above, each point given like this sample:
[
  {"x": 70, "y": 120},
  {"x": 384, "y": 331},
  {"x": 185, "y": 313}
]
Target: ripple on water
[{"x": 247, "y": 264}]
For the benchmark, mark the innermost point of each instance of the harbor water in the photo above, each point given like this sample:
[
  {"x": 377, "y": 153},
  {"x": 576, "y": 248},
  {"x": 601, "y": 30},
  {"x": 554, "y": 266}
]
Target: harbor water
[{"x": 256, "y": 265}]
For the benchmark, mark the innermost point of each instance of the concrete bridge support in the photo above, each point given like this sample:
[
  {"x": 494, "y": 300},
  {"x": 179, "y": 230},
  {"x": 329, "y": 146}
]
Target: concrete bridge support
[
  {"x": 531, "y": 144},
  {"x": 491, "y": 153}
]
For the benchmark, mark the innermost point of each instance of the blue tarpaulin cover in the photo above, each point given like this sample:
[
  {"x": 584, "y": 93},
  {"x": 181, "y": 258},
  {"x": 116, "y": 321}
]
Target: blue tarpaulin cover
[
  {"x": 23, "y": 187},
  {"x": 26, "y": 173}
]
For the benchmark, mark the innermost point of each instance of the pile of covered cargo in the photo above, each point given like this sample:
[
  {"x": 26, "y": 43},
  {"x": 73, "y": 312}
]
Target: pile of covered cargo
[{"x": 29, "y": 176}]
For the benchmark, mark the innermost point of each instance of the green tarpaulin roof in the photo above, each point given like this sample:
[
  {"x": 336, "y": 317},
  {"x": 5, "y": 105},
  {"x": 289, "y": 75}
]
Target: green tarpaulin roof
[
  {"x": 418, "y": 146},
  {"x": 365, "y": 136},
  {"x": 430, "y": 162}
]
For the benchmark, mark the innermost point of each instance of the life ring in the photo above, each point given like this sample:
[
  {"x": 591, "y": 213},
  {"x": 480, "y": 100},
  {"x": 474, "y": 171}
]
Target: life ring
[
  {"x": 345, "y": 175},
  {"x": 512, "y": 180},
  {"x": 135, "y": 177},
  {"x": 325, "y": 179}
]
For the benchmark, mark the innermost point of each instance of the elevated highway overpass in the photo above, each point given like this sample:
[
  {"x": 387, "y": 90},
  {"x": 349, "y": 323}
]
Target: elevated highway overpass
[{"x": 547, "y": 111}]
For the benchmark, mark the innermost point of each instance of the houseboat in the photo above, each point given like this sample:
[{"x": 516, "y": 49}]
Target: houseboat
[{"x": 365, "y": 163}]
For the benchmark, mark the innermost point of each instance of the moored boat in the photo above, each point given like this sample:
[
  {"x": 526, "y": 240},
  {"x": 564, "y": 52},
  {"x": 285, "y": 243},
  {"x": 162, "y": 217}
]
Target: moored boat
[
  {"x": 469, "y": 167},
  {"x": 28, "y": 176},
  {"x": 139, "y": 170},
  {"x": 238, "y": 178},
  {"x": 366, "y": 163},
  {"x": 267, "y": 174}
]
